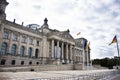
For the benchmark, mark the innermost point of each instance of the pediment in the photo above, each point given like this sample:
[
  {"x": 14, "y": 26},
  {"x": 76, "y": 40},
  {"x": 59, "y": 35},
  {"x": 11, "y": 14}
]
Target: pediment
[
  {"x": 67, "y": 36},
  {"x": 62, "y": 35}
]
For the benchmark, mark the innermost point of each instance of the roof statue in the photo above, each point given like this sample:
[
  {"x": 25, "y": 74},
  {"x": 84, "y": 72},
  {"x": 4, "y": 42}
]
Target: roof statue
[{"x": 3, "y": 4}]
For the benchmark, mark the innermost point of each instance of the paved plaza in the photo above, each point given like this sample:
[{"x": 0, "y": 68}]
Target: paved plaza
[{"x": 57, "y": 75}]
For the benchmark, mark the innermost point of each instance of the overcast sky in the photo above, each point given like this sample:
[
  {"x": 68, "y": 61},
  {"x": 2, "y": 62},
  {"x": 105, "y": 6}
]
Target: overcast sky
[{"x": 97, "y": 20}]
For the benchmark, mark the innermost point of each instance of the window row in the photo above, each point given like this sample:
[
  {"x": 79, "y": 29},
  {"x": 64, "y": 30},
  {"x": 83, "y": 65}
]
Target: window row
[
  {"x": 14, "y": 50},
  {"x": 23, "y": 40},
  {"x": 13, "y": 62}
]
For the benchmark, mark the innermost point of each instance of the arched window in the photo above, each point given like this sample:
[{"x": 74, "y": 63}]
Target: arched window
[
  {"x": 29, "y": 52},
  {"x": 4, "y": 48},
  {"x": 36, "y": 53},
  {"x": 13, "y": 49},
  {"x": 22, "y": 49}
]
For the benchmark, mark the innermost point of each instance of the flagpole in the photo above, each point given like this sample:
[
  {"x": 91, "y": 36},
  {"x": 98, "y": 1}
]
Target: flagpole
[{"x": 118, "y": 50}]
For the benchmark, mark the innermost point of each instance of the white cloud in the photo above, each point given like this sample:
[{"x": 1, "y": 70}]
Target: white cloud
[{"x": 97, "y": 20}]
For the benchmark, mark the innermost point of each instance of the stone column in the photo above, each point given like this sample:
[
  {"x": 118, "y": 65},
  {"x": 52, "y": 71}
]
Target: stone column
[
  {"x": 45, "y": 49},
  {"x": 10, "y": 43},
  {"x": 0, "y": 43},
  {"x": 52, "y": 52},
  {"x": 67, "y": 52},
  {"x": 83, "y": 54},
  {"x": 19, "y": 44},
  {"x": 74, "y": 55},
  {"x": 26, "y": 48},
  {"x": 1, "y": 34},
  {"x": 62, "y": 52},
  {"x": 41, "y": 50},
  {"x": 34, "y": 48},
  {"x": 87, "y": 60},
  {"x": 71, "y": 53},
  {"x": 57, "y": 51}
]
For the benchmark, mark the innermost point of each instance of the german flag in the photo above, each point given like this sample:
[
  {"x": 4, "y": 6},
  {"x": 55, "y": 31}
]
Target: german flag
[
  {"x": 114, "y": 40},
  {"x": 88, "y": 47},
  {"x": 78, "y": 33}
]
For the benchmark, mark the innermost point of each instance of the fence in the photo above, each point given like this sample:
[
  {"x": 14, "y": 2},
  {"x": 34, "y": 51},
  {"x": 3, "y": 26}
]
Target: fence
[{"x": 91, "y": 76}]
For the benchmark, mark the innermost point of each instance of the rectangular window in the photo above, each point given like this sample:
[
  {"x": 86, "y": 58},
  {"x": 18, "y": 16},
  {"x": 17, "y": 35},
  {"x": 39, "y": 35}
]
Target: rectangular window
[
  {"x": 30, "y": 41},
  {"x": 23, "y": 39},
  {"x": 6, "y": 35},
  {"x": 37, "y": 43},
  {"x": 13, "y": 62},
  {"x": 15, "y": 37}
]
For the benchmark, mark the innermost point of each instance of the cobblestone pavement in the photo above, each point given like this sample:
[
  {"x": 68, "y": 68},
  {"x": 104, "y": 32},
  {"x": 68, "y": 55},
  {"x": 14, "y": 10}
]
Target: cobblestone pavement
[{"x": 46, "y": 74}]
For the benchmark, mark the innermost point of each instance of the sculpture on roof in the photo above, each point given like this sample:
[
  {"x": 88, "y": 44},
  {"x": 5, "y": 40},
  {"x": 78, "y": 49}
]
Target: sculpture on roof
[
  {"x": 3, "y": 4},
  {"x": 45, "y": 25}
]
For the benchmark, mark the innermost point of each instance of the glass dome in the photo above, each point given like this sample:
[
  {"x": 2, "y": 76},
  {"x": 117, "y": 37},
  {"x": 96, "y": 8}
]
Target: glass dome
[{"x": 33, "y": 26}]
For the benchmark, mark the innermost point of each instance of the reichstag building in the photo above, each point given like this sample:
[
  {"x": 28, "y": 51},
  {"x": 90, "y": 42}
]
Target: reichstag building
[{"x": 29, "y": 45}]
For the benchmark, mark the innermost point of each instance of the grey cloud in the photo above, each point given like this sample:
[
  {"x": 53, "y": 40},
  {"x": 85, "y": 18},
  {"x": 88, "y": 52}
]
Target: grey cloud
[
  {"x": 117, "y": 2},
  {"x": 91, "y": 18},
  {"x": 65, "y": 6},
  {"x": 115, "y": 14},
  {"x": 102, "y": 9},
  {"x": 37, "y": 7},
  {"x": 117, "y": 29}
]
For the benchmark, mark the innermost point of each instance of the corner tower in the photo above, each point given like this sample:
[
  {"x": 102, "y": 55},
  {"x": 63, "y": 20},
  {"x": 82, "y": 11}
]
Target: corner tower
[{"x": 3, "y": 4}]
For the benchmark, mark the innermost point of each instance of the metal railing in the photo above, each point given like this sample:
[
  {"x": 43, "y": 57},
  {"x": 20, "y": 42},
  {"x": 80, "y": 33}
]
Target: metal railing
[{"x": 90, "y": 76}]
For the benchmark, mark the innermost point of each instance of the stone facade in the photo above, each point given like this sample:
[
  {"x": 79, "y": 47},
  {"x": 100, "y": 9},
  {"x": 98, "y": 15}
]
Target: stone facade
[
  {"x": 25, "y": 46},
  {"x": 82, "y": 53}
]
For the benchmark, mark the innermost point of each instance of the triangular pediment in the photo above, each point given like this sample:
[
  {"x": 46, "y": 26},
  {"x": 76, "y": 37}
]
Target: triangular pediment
[
  {"x": 64, "y": 35},
  {"x": 67, "y": 35}
]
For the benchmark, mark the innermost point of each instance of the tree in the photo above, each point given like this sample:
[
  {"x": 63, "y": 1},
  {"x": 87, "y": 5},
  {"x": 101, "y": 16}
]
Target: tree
[{"x": 106, "y": 62}]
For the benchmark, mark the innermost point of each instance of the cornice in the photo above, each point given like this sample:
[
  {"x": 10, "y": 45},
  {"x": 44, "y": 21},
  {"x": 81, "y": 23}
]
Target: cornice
[{"x": 21, "y": 27}]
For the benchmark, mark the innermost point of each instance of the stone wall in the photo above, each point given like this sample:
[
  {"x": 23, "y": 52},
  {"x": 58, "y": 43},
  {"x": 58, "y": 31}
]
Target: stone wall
[
  {"x": 42, "y": 68},
  {"x": 38, "y": 68},
  {"x": 17, "y": 61},
  {"x": 78, "y": 66}
]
